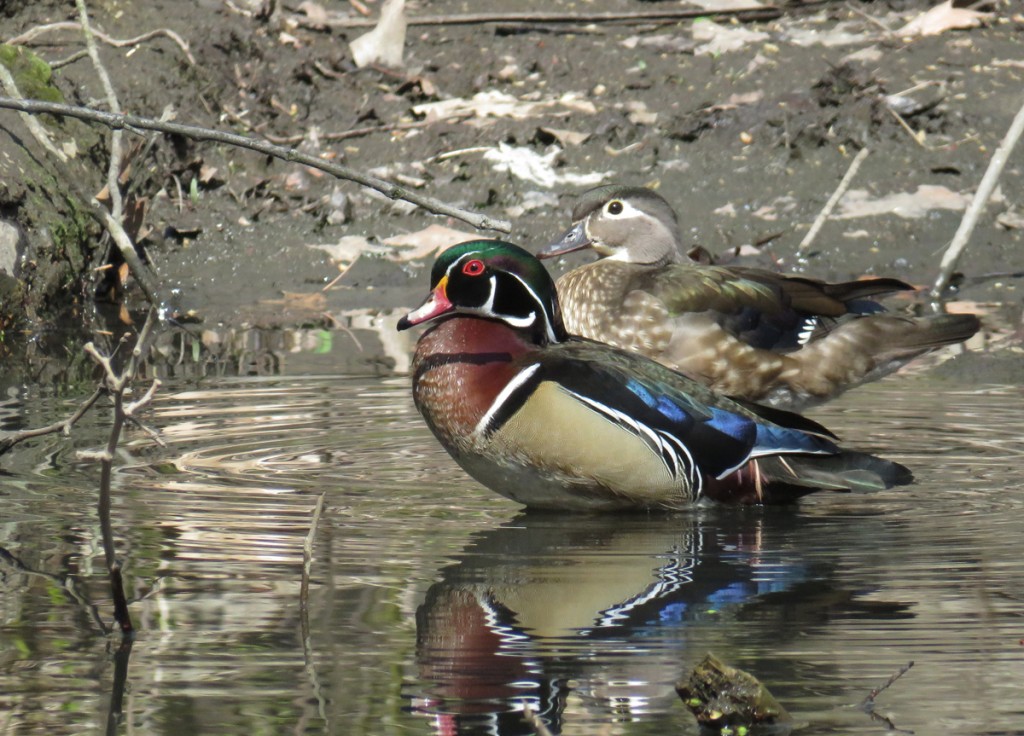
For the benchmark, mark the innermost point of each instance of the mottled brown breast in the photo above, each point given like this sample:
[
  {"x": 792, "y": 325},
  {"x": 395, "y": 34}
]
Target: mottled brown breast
[
  {"x": 459, "y": 368},
  {"x": 602, "y": 301}
]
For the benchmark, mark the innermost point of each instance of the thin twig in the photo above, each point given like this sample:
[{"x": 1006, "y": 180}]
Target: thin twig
[
  {"x": 392, "y": 191},
  {"x": 906, "y": 126},
  {"x": 114, "y": 165},
  {"x": 64, "y": 425},
  {"x": 869, "y": 701},
  {"x": 868, "y": 704},
  {"x": 759, "y": 12},
  {"x": 833, "y": 200},
  {"x": 981, "y": 197},
  {"x": 307, "y": 638},
  {"x": 355, "y": 132},
  {"x": 116, "y": 385},
  {"x": 307, "y": 552},
  {"x": 32, "y": 33}
]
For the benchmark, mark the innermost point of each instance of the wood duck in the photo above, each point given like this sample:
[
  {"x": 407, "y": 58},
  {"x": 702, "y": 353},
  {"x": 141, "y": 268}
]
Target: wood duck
[
  {"x": 782, "y": 340},
  {"x": 560, "y": 422}
]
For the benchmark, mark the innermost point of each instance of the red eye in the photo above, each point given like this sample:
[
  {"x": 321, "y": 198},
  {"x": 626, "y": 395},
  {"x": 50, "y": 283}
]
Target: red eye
[{"x": 473, "y": 268}]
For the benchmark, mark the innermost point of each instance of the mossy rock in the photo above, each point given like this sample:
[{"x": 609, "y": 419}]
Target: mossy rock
[{"x": 33, "y": 76}]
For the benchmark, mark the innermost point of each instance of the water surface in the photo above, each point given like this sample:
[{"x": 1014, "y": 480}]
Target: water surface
[{"x": 437, "y": 607}]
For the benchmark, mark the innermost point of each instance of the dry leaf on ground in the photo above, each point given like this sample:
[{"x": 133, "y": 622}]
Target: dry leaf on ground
[
  {"x": 913, "y": 205},
  {"x": 385, "y": 43},
  {"x": 492, "y": 103},
  {"x": 720, "y": 39},
  {"x": 528, "y": 165},
  {"x": 426, "y": 242},
  {"x": 942, "y": 18}
]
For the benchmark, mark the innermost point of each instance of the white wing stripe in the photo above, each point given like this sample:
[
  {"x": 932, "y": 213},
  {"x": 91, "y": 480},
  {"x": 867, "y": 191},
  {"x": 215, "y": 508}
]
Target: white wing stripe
[
  {"x": 674, "y": 454},
  {"x": 518, "y": 380}
]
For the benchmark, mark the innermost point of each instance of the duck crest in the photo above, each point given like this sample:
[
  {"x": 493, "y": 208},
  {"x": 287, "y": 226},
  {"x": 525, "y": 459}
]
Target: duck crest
[{"x": 462, "y": 369}]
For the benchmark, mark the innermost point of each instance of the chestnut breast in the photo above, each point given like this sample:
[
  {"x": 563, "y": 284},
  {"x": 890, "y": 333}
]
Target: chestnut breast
[{"x": 459, "y": 368}]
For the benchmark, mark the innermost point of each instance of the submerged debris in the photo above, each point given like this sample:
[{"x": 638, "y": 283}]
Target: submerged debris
[{"x": 728, "y": 699}]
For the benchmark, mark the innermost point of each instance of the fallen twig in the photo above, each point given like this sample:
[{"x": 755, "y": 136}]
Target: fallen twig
[
  {"x": 753, "y": 12},
  {"x": 981, "y": 197},
  {"x": 870, "y": 699},
  {"x": 868, "y": 704},
  {"x": 833, "y": 200},
  {"x": 33, "y": 33},
  {"x": 355, "y": 132},
  {"x": 130, "y": 122}
]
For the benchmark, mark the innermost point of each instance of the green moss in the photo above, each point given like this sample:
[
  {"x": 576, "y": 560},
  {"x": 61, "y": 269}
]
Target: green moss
[{"x": 32, "y": 75}]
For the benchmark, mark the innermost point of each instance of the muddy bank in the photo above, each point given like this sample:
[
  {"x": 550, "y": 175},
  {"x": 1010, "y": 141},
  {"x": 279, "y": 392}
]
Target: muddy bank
[{"x": 746, "y": 127}]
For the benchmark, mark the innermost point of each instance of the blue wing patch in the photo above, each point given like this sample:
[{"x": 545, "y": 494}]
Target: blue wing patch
[
  {"x": 661, "y": 403},
  {"x": 740, "y": 428}
]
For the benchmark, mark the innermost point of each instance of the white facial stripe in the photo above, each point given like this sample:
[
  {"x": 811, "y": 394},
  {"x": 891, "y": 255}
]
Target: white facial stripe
[
  {"x": 487, "y": 309},
  {"x": 628, "y": 211},
  {"x": 518, "y": 380},
  {"x": 471, "y": 254},
  {"x": 548, "y": 327}
]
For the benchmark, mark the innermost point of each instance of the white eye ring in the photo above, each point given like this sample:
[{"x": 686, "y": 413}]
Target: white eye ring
[{"x": 615, "y": 207}]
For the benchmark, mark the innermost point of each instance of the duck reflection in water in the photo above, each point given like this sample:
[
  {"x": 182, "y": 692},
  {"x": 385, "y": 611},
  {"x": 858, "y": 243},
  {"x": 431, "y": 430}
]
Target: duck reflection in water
[{"x": 591, "y": 620}]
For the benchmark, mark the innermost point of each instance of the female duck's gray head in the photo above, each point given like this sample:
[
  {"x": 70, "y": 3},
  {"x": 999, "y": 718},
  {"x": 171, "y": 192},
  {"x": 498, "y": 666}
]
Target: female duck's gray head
[{"x": 630, "y": 224}]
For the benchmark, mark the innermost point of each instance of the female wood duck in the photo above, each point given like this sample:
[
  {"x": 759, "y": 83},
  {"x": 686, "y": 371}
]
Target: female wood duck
[
  {"x": 745, "y": 332},
  {"x": 560, "y": 422}
]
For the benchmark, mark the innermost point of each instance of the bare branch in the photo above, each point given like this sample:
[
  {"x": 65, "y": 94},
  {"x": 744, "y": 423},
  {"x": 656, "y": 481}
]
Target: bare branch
[
  {"x": 114, "y": 165},
  {"x": 63, "y": 426},
  {"x": 130, "y": 122},
  {"x": 981, "y": 197}
]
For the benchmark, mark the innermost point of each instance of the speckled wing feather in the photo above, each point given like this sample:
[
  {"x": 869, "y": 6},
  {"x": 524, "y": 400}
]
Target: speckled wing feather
[{"x": 764, "y": 310}]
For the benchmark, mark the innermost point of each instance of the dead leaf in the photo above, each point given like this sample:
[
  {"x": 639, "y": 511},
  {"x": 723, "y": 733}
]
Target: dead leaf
[
  {"x": 349, "y": 248},
  {"x": 426, "y": 242},
  {"x": 566, "y": 137},
  {"x": 314, "y": 301},
  {"x": 1011, "y": 220},
  {"x": 493, "y": 103},
  {"x": 719, "y": 39},
  {"x": 912, "y": 205},
  {"x": 208, "y": 176},
  {"x": 386, "y": 42},
  {"x": 943, "y": 17},
  {"x": 663, "y": 43},
  {"x": 528, "y": 165},
  {"x": 316, "y": 16}
]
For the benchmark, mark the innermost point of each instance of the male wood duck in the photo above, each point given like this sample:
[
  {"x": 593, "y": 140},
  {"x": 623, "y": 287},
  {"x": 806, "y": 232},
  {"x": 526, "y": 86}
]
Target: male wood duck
[
  {"x": 782, "y": 340},
  {"x": 560, "y": 422}
]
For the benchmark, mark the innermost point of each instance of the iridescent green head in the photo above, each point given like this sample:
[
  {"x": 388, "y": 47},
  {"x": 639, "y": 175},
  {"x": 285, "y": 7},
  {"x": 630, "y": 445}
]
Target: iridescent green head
[{"x": 494, "y": 280}]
